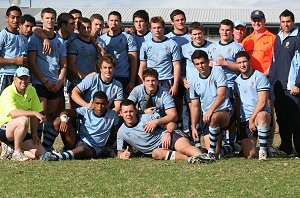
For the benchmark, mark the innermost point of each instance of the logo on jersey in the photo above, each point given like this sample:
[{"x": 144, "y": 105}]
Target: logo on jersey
[
  {"x": 113, "y": 90},
  {"x": 121, "y": 40},
  {"x": 229, "y": 50},
  {"x": 252, "y": 84},
  {"x": 287, "y": 44},
  {"x": 167, "y": 48},
  {"x": 211, "y": 81},
  {"x": 58, "y": 45},
  {"x": 157, "y": 103},
  {"x": 106, "y": 120}
]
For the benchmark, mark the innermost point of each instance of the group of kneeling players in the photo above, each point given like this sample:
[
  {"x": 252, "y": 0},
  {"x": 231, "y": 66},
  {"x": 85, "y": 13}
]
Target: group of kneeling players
[{"x": 123, "y": 109}]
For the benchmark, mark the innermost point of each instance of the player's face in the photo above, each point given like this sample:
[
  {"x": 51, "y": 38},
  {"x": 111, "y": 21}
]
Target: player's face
[
  {"x": 76, "y": 17},
  {"x": 225, "y": 32},
  {"x": 48, "y": 20},
  {"x": 150, "y": 84},
  {"x": 13, "y": 20},
  {"x": 21, "y": 83},
  {"x": 26, "y": 28},
  {"x": 179, "y": 22},
  {"x": 107, "y": 71},
  {"x": 100, "y": 106},
  {"x": 129, "y": 114},
  {"x": 202, "y": 66},
  {"x": 96, "y": 26},
  {"x": 197, "y": 36},
  {"x": 157, "y": 30},
  {"x": 140, "y": 25},
  {"x": 70, "y": 26},
  {"x": 258, "y": 24},
  {"x": 114, "y": 22},
  {"x": 244, "y": 65},
  {"x": 239, "y": 33},
  {"x": 286, "y": 23},
  {"x": 85, "y": 29}
]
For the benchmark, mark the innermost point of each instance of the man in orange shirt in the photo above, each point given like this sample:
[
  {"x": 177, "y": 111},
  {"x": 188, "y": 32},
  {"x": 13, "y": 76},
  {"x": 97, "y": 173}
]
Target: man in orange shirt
[{"x": 260, "y": 44}]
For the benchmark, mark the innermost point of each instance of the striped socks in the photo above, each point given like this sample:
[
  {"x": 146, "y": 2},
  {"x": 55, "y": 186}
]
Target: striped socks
[
  {"x": 213, "y": 138},
  {"x": 263, "y": 137},
  {"x": 67, "y": 155}
]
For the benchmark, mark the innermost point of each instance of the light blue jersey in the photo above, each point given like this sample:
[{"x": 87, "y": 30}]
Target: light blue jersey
[
  {"x": 160, "y": 56},
  {"x": 247, "y": 89},
  {"x": 102, "y": 42},
  {"x": 162, "y": 100},
  {"x": 68, "y": 40},
  {"x": 118, "y": 46},
  {"x": 138, "y": 138},
  {"x": 49, "y": 64},
  {"x": 93, "y": 129},
  {"x": 228, "y": 52},
  {"x": 11, "y": 46},
  {"x": 91, "y": 84},
  {"x": 139, "y": 39},
  {"x": 86, "y": 57},
  {"x": 206, "y": 90},
  {"x": 180, "y": 39},
  {"x": 187, "y": 51}
]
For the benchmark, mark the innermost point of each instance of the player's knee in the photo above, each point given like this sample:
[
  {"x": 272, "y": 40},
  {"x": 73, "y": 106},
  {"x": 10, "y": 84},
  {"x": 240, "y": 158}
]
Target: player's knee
[
  {"x": 156, "y": 154},
  {"x": 56, "y": 124},
  {"x": 263, "y": 118},
  {"x": 23, "y": 122}
]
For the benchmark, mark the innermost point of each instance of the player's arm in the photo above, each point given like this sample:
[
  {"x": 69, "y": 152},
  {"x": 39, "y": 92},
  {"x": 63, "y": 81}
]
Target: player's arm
[
  {"x": 19, "y": 60},
  {"x": 72, "y": 67},
  {"x": 132, "y": 56},
  {"x": 220, "y": 61},
  {"x": 124, "y": 155},
  {"x": 39, "y": 32},
  {"x": 143, "y": 66},
  {"x": 195, "y": 115},
  {"x": 221, "y": 94},
  {"x": 76, "y": 96},
  {"x": 99, "y": 47},
  {"x": 117, "y": 104},
  {"x": 62, "y": 73},
  {"x": 260, "y": 105},
  {"x": 176, "y": 74}
]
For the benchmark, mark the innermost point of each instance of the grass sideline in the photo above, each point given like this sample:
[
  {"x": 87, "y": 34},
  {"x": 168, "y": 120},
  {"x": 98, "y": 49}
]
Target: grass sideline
[{"x": 144, "y": 177}]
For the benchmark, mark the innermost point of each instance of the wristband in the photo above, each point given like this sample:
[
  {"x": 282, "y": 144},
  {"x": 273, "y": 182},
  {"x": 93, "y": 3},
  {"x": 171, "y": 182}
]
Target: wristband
[{"x": 64, "y": 118}]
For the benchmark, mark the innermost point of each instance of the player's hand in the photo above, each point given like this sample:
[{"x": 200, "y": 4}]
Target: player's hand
[
  {"x": 21, "y": 60},
  {"x": 63, "y": 127},
  {"x": 130, "y": 86},
  {"x": 46, "y": 46},
  {"x": 194, "y": 133},
  {"x": 90, "y": 105},
  {"x": 186, "y": 84},
  {"x": 295, "y": 91},
  {"x": 57, "y": 85},
  {"x": 49, "y": 85},
  {"x": 166, "y": 141},
  {"x": 207, "y": 116},
  {"x": 252, "y": 126},
  {"x": 149, "y": 110},
  {"x": 128, "y": 30},
  {"x": 126, "y": 155},
  {"x": 173, "y": 90},
  {"x": 41, "y": 117},
  {"x": 36, "y": 139},
  {"x": 150, "y": 126},
  {"x": 220, "y": 61}
]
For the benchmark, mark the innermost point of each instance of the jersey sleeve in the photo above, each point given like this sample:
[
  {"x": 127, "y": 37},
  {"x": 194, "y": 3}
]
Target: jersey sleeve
[
  {"x": 263, "y": 83},
  {"x": 133, "y": 96},
  {"x": 10, "y": 103},
  {"x": 81, "y": 111},
  {"x": 121, "y": 143},
  {"x": 176, "y": 53},
  {"x": 32, "y": 44},
  {"x": 193, "y": 94},
  {"x": 2, "y": 40},
  {"x": 143, "y": 51},
  {"x": 220, "y": 78},
  {"x": 119, "y": 95},
  {"x": 131, "y": 43},
  {"x": 72, "y": 48},
  {"x": 168, "y": 101},
  {"x": 86, "y": 83}
]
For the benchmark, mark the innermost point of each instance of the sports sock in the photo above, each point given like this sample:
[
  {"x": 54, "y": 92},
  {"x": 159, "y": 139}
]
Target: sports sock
[
  {"x": 263, "y": 137},
  {"x": 213, "y": 138},
  {"x": 171, "y": 155},
  {"x": 67, "y": 155},
  {"x": 49, "y": 136}
]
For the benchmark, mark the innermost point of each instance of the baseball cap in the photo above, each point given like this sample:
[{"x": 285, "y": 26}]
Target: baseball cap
[
  {"x": 22, "y": 71},
  {"x": 239, "y": 22},
  {"x": 257, "y": 14}
]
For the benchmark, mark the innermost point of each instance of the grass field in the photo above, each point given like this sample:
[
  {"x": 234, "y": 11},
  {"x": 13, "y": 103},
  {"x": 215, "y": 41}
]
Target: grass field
[{"x": 144, "y": 177}]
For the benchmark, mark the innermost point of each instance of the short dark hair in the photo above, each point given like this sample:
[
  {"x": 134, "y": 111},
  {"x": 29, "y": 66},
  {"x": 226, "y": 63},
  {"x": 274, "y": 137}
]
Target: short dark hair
[
  {"x": 13, "y": 8},
  {"x": 242, "y": 54},
  {"x": 83, "y": 20},
  {"x": 141, "y": 14},
  {"x": 108, "y": 59},
  {"x": 28, "y": 18},
  {"x": 115, "y": 13},
  {"x": 176, "y": 12},
  {"x": 96, "y": 16},
  {"x": 127, "y": 102},
  {"x": 287, "y": 13},
  {"x": 227, "y": 22},
  {"x": 63, "y": 18},
  {"x": 48, "y": 10},
  {"x": 74, "y": 11},
  {"x": 150, "y": 72},
  {"x": 196, "y": 26},
  {"x": 100, "y": 95},
  {"x": 199, "y": 54},
  {"x": 157, "y": 19}
]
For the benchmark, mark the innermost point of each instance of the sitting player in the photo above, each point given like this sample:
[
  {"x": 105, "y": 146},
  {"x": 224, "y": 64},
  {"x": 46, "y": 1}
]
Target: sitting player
[
  {"x": 94, "y": 126},
  {"x": 253, "y": 89},
  {"x": 160, "y": 143}
]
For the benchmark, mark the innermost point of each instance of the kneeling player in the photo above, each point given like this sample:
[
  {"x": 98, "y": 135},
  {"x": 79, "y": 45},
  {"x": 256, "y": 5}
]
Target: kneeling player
[
  {"x": 253, "y": 89},
  {"x": 94, "y": 127},
  {"x": 160, "y": 143}
]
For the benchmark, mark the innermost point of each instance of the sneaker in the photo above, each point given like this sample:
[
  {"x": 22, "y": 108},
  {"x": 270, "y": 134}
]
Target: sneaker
[
  {"x": 6, "y": 151},
  {"x": 48, "y": 156},
  {"x": 202, "y": 158},
  {"x": 19, "y": 156},
  {"x": 262, "y": 156}
]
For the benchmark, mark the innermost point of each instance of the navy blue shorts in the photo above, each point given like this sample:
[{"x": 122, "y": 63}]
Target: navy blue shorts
[
  {"x": 80, "y": 142},
  {"x": 245, "y": 131},
  {"x": 4, "y": 139},
  {"x": 174, "y": 137},
  {"x": 43, "y": 92}
]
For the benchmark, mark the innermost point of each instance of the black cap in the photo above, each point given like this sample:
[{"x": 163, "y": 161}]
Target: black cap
[{"x": 257, "y": 14}]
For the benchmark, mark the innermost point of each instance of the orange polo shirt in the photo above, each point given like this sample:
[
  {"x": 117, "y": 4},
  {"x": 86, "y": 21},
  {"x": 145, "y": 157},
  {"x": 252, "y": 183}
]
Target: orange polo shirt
[{"x": 260, "y": 50}]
